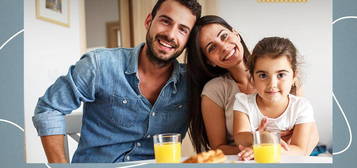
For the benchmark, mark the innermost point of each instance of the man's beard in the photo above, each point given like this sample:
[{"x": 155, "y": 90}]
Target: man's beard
[{"x": 154, "y": 56}]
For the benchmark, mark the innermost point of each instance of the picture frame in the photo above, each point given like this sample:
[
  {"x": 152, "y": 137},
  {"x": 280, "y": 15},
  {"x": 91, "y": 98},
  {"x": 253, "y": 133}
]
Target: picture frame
[{"x": 54, "y": 11}]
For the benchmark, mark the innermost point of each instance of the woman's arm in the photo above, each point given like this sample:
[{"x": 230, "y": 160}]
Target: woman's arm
[
  {"x": 242, "y": 135},
  {"x": 215, "y": 124},
  {"x": 241, "y": 129},
  {"x": 303, "y": 140}
]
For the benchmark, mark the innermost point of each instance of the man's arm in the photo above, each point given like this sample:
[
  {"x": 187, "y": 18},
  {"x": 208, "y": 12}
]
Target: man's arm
[
  {"x": 54, "y": 148},
  {"x": 60, "y": 99}
]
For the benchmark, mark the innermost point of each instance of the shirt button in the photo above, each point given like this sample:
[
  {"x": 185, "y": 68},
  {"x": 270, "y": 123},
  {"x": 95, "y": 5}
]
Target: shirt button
[
  {"x": 180, "y": 106},
  {"x": 127, "y": 157},
  {"x": 138, "y": 144},
  {"x": 148, "y": 136},
  {"x": 153, "y": 114},
  {"x": 125, "y": 101}
]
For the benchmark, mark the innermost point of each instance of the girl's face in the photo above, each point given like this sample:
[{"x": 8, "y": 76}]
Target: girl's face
[
  {"x": 273, "y": 78},
  {"x": 222, "y": 47}
]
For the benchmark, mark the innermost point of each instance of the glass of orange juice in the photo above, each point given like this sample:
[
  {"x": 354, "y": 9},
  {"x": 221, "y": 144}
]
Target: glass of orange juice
[
  {"x": 167, "y": 148},
  {"x": 267, "y": 147}
]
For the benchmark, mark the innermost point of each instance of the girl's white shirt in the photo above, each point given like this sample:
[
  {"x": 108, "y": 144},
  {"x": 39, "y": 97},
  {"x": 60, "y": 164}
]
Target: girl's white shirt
[{"x": 299, "y": 111}]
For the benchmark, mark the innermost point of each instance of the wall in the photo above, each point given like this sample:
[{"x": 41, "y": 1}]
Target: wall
[
  {"x": 49, "y": 50},
  {"x": 308, "y": 25},
  {"x": 98, "y": 13}
]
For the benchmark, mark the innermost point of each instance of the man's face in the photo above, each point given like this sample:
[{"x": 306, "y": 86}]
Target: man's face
[{"x": 168, "y": 31}]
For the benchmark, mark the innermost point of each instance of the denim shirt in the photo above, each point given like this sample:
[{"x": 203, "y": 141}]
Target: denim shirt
[{"x": 118, "y": 122}]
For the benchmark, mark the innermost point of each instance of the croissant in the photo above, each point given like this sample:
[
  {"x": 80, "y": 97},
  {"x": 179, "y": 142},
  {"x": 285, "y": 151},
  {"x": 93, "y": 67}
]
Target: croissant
[{"x": 211, "y": 156}]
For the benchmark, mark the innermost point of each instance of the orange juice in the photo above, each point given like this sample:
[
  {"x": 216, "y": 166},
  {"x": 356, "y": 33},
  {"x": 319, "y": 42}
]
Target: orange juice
[
  {"x": 168, "y": 152},
  {"x": 267, "y": 153}
]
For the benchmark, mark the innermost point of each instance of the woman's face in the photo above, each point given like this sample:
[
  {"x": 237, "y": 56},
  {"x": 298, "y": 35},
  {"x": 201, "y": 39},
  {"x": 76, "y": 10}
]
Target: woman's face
[{"x": 222, "y": 47}]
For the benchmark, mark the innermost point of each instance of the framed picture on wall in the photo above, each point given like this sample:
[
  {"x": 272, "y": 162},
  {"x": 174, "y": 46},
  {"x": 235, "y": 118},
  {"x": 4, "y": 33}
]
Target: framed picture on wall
[{"x": 54, "y": 11}]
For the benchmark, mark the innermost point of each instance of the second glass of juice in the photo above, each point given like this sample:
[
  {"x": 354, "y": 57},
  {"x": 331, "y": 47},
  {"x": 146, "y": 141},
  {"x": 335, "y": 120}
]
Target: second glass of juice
[
  {"x": 167, "y": 148},
  {"x": 267, "y": 147}
]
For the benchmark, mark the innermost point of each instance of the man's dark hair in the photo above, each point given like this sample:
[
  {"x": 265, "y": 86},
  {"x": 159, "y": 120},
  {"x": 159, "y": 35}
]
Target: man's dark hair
[{"x": 193, "y": 5}]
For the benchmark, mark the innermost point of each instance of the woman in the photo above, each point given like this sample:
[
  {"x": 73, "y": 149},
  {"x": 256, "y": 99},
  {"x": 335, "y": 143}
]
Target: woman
[
  {"x": 216, "y": 57},
  {"x": 223, "y": 57}
]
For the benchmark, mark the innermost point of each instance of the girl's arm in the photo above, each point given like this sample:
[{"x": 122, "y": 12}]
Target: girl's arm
[
  {"x": 303, "y": 140},
  {"x": 313, "y": 139},
  {"x": 244, "y": 138},
  {"x": 215, "y": 124}
]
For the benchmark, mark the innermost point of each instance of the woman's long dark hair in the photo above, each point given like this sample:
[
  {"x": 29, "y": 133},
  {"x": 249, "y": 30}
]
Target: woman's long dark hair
[{"x": 199, "y": 73}]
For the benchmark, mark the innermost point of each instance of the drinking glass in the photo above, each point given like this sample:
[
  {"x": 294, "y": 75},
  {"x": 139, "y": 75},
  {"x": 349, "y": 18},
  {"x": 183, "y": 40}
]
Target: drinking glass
[
  {"x": 167, "y": 148},
  {"x": 266, "y": 147}
]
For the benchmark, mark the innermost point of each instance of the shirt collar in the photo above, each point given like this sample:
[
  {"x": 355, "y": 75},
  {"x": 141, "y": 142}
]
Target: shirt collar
[
  {"x": 176, "y": 72},
  {"x": 132, "y": 64}
]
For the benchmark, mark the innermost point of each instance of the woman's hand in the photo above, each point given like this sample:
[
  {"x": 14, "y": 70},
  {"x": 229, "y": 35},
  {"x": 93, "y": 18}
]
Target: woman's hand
[{"x": 246, "y": 153}]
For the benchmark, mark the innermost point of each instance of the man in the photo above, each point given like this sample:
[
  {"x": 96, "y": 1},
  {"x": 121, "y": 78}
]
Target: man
[{"x": 129, "y": 95}]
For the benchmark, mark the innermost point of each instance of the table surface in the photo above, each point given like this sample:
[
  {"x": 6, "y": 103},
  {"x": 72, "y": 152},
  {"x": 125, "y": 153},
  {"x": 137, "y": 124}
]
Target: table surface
[{"x": 284, "y": 159}]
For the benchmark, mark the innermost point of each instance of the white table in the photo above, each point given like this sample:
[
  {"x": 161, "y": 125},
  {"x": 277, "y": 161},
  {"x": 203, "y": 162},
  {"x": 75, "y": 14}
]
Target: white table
[
  {"x": 284, "y": 159},
  {"x": 289, "y": 159}
]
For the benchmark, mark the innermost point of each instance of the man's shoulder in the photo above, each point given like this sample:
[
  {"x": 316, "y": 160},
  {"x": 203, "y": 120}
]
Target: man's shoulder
[
  {"x": 108, "y": 58},
  {"x": 111, "y": 51},
  {"x": 103, "y": 55}
]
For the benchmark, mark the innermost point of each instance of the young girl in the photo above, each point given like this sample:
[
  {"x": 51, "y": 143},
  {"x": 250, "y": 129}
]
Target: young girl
[{"x": 273, "y": 67}]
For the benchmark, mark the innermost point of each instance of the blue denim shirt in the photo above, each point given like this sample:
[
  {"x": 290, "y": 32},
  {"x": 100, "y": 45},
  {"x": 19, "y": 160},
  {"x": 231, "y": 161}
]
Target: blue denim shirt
[{"x": 118, "y": 122}]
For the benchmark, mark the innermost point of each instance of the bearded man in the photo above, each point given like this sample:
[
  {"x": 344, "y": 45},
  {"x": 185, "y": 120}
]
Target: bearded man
[{"x": 129, "y": 95}]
